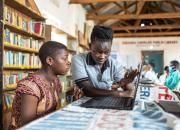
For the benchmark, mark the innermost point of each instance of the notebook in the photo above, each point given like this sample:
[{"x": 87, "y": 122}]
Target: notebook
[{"x": 119, "y": 103}]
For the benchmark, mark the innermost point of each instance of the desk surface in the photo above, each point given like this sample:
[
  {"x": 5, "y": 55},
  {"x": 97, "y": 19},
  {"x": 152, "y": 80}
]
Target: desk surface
[{"x": 144, "y": 116}]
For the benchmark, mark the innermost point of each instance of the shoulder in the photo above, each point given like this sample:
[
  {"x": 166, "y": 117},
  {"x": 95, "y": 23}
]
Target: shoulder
[
  {"x": 79, "y": 57},
  {"x": 29, "y": 86},
  {"x": 27, "y": 81},
  {"x": 176, "y": 74}
]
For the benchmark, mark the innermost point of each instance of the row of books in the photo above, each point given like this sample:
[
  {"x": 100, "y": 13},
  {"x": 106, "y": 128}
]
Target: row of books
[
  {"x": 67, "y": 86},
  {"x": 20, "y": 59},
  {"x": 21, "y": 41},
  {"x": 23, "y": 22},
  {"x": 8, "y": 100},
  {"x": 10, "y": 78}
]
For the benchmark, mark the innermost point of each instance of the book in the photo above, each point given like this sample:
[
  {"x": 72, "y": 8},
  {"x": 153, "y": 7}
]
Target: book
[
  {"x": 11, "y": 78},
  {"x": 21, "y": 41},
  {"x": 23, "y": 22},
  {"x": 21, "y": 59}
]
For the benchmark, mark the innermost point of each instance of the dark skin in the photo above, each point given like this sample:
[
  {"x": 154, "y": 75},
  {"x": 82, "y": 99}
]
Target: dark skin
[
  {"x": 48, "y": 73},
  {"x": 100, "y": 52}
]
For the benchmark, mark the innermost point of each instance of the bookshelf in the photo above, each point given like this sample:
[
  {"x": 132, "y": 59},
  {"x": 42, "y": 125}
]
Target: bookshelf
[
  {"x": 83, "y": 43},
  {"x": 1, "y": 64},
  {"x": 22, "y": 32}
]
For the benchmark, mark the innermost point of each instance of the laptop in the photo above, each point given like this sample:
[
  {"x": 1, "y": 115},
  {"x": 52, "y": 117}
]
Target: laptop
[
  {"x": 110, "y": 102},
  {"x": 172, "y": 107}
]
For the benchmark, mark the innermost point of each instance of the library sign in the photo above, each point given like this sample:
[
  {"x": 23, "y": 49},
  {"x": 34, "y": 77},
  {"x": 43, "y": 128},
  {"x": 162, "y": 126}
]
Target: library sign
[{"x": 147, "y": 43}]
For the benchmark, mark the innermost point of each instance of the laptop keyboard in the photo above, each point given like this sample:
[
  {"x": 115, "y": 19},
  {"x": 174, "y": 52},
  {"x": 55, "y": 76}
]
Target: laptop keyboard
[{"x": 109, "y": 103}]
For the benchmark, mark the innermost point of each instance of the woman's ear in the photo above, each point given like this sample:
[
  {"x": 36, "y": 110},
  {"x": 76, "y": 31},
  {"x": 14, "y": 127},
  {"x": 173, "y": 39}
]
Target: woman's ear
[{"x": 49, "y": 60}]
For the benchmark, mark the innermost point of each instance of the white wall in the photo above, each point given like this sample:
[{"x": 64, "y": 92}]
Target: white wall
[
  {"x": 130, "y": 49},
  {"x": 63, "y": 15}
]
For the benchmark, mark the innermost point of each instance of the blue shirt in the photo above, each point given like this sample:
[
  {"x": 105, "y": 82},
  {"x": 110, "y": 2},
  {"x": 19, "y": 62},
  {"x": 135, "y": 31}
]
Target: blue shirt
[{"x": 85, "y": 68}]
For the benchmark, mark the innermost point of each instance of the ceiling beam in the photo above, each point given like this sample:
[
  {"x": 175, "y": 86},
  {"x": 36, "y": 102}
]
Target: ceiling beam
[
  {"x": 140, "y": 6},
  {"x": 146, "y": 34},
  {"x": 175, "y": 3},
  {"x": 173, "y": 7},
  {"x": 104, "y": 1},
  {"x": 132, "y": 16},
  {"x": 114, "y": 21},
  {"x": 156, "y": 23},
  {"x": 116, "y": 28},
  {"x": 124, "y": 8},
  {"x": 98, "y": 9}
]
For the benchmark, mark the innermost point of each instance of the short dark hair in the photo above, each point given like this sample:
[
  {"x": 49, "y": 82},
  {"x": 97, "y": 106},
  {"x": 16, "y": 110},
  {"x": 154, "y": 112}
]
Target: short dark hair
[
  {"x": 166, "y": 68},
  {"x": 101, "y": 33},
  {"x": 175, "y": 63},
  {"x": 50, "y": 48}
]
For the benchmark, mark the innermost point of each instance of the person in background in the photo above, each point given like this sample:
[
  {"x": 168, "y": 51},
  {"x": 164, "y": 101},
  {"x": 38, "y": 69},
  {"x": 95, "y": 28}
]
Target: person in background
[
  {"x": 163, "y": 77},
  {"x": 173, "y": 80},
  {"x": 95, "y": 72},
  {"x": 38, "y": 93},
  {"x": 150, "y": 74},
  {"x": 145, "y": 68}
]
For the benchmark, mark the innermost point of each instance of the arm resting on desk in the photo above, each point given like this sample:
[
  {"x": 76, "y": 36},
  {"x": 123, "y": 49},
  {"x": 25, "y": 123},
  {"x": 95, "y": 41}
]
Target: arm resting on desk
[{"x": 91, "y": 91}]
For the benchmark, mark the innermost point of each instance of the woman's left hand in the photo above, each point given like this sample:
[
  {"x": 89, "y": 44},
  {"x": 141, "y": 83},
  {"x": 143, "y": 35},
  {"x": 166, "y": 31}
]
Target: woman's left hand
[{"x": 78, "y": 93}]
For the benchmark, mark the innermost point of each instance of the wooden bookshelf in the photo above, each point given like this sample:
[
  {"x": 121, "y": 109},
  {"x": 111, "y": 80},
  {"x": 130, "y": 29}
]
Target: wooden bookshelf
[
  {"x": 17, "y": 29},
  {"x": 9, "y": 89},
  {"x": 83, "y": 42},
  {"x": 1, "y": 63},
  {"x": 72, "y": 51},
  {"x": 20, "y": 68},
  {"x": 60, "y": 31},
  {"x": 17, "y": 48},
  {"x": 84, "y": 46},
  {"x": 25, "y": 10},
  {"x": 20, "y": 36}
]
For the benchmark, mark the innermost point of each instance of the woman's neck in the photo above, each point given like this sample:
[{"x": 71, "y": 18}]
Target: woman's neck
[{"x": 48, "y": 74}]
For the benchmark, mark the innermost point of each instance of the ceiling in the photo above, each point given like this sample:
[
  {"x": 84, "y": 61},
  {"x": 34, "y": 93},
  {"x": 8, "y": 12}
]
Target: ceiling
[{"x": 135, "y": 18}]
